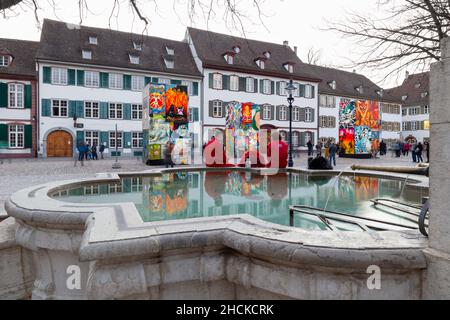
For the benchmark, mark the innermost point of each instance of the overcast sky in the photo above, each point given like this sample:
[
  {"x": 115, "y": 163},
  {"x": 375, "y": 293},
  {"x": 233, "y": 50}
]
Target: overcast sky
[{"x": 299, "y": 22}]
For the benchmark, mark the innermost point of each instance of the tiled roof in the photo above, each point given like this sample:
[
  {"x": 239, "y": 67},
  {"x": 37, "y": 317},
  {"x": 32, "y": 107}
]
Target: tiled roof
[
  {"x": 211, "y": 47},
  {"x": 64, "y": 42},
  {"x": 416, "y": 89},
  {"x": 23, "y": 52}
]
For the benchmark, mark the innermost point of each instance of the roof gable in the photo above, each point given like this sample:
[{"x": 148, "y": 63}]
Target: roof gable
[{"x": 23, "y": 57}]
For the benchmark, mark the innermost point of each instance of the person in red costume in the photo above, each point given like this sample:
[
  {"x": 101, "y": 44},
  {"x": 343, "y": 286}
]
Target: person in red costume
[
  {"x": 214, "y": 153},
  {"x": 278, "y": 146}
]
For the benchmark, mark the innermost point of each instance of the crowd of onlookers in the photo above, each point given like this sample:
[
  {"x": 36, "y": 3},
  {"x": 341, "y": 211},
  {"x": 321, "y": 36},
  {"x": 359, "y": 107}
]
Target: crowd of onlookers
[
  {"x": 418, "y": 150},
  {"x": 87, "y": 152}
]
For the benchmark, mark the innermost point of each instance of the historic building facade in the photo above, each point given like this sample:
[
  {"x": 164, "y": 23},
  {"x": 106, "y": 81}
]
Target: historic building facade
[
  {"x": 91, "y": 80},
  {"x": 17, "y": 98},
  {"x": 248, "y": 71}
]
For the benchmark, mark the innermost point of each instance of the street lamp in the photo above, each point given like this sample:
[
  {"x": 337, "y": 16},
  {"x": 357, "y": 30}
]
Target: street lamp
[{"x": 290, "y": 88}]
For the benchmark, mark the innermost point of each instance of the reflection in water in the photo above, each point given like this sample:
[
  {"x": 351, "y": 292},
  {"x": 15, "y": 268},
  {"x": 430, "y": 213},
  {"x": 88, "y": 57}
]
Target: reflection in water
[{"x": 199, "y": 194}]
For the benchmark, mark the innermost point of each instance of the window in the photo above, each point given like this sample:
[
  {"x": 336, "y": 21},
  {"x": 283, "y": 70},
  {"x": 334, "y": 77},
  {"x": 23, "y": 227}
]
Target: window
[
  {"x": 15, "y": 95},
  {"x": 112, "y": 139},
  {"x": 267, "y": 87},
  {"x": 170, "y": 64},
  {"x": 59, "y": 108},
  {"x": 283, "y": 115},
  {"x": 295, "y": 114},
  {"x": 267, "y": 112},
  {"x": 405, "y": 126},
  {"x": 115, "y": 81},
  {"x": 164, "y": 81},
  {"x": 250, "y": 85},
  {"x": 59, "y": 76},
  {"x": 16, "y": 136},
  {"x": 267, "y": 54},
  {"x": 136, "y": 140},
  {"x": 229, "y": 58},
  {"x": 237, "y": 49},
  {"x": 308, "y": 91},
  {"x": 189, "y": 85},
  {"x": 289, "y": 67},
  {"x": 283, "y": 88},
  {"x": 93, "y": 40},
  {"x": 404, "y": 98},
  {"x": 4, "y": 61},
  {"x": 323, "y": 101},
  {"x": 308, "y": 115},
  {"x": 137, "y": 46},
  {"x": 309, "y": 137},
  {"x": 92, "y": 137},
  {"x": 404, "y": 111},
  {"x": 91, "y": 110},
  {"x": 426, "y": 125},
  {"x": 424, "y": 94},
  {"x": 414, "y": 125},
  {"x": 389, "y": 126},
  {"x": 426, "y": 109},
  {"x": 331, "y": 122},
  {"x": 91, "y": 79},
  {"x": 217, "y": 109},
  {"x": 87, "y": 54},
  {"x": 261, "y": 63},
  {"x": 134, "y": 59},
  {"x": 191, "y": 114},
  {"x": 217, "y": 81},
  {"x": 137, "y": 83},
  {"x": 170, "y": 51},
  {"x": 323, "y": 121},
  {"x": 234, "y": 83},
  {"x": 331, "y": 101},
  {"x": 115, "y": 111},
  {"x": 136, "y": 111},
  {"x": 296, "y": 138}
]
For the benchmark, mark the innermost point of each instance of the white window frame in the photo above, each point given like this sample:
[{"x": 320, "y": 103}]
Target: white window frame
[
  {"x": 59, "y": 76},
  {"x": 136, "y": 111},
  {"x": 426, "y": 109},
  {"x": 308, "y": 91},
  {"x": 134, "y": 59},
  {"x": 164, "y": 81},
  {"x": 16, "y": 136},
  {"x": 170, "y": 51},
  {"x": 405, "y": 126},
  {"x": 323, "y": 121},
  {"x": 137, "y": 83},
  {"x": 331, "y": 101},
  {"x": 283, "y": 113},
  {"x": 93, "y": 40},
  {"x": 92, "y": 137},
  {"x": 92, "y": 79},
  {"x": 61, "y": 105},
  {"x": 308, "y": 114},
  {"x": 250, "y": 85},
  {"x": 413, "y": 125},
  {"x": 112, "y": 140},
  {"x": 267, "y": 112},
  {"x": 16, "y": 97},
  {"x": 91, "y": 109},
  {"x": 170, "y": 64},
  {"x": 217, "y": 109},
  {"x": 137, "y": 140},
  {"x": 296, "y": 138},
  {"x": 116, "y": 81},
  {"x": 137, "y": 46},
  {"x": 217, "y": 81},
  {"x": 86, "y": 54},
  {"x": 283, "y": 85},
  {"x": 229, "y": 58},
  {"x": 5, "y": 60},
  {"x": 234, "y": 83},
  {"x": 267, "y": 86},
  {"x": 331, "y": 122},
  {"x": 115, "y": 109},
  {"x": 296, "y": 113}
]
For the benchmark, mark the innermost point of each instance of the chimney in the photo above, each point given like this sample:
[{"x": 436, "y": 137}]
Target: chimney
[
  {"x": 295, "y": 50},
  {"x": 406, "y": 75},
  {"x": 285, "y": 43}
]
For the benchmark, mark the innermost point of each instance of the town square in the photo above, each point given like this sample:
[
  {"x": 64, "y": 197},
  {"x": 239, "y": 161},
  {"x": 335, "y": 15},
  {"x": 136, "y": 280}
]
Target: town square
[{"x": 217, "y": 161}]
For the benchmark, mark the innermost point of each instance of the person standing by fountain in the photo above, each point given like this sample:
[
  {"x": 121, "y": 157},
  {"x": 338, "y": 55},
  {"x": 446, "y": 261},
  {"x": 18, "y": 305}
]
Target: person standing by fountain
[
  {"x": 383, "y": 148},
  {"x": 419, "y": 150},
  {"x": 333, "y": 151},
  {"x": 168, "y": 154},
  {"x": 310, "y": 148}
]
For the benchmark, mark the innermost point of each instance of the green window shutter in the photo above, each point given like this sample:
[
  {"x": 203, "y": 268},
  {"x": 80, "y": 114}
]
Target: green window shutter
[
  {"x": 313, "y": 92},
  {"x": 80, "y": 109},
  {"x": 313, "y": 114},
  {"x": 302, "y": 114},
  {"x": 278, "y": 87},
  {"x": 80, "y": 136},
  {"x": 71, "y": 77},
  {"x": 272, "y": 87},
  {"x": 242, "y": 84},
  {"x": 196, "y": 114},
  {"x": 211, "y": 80},
  {"x": 256, "y": 85},
  {"x": 3, "y": 95},
  {"x": 28, "y": 99},
  {"x": 302, "y": 90},
  {"x": 3, "y": 136},
  {"x": 47, "y": 76},
  {"x": 175, "y": 82},
  {"x": 195, "y": 88},
  {"x": 104, "y": 80},
  {"x": 80, "y": 78},
  {"x": 127, "y": 111},
  {"x": 261, "y": 86},
  {"x": 225, "y": 82},
  {"x": 147, "y": 80},
  {"x": 104, "y": 138},
  {"x": 127, "y": 140},
  {"x": 46, "y": 107},
  {"x": 210, "y": 109},
  {"x": 126, "y": 82},
  {"x": 103, "y": 110},
  {"x": 28, "y": 136},
  {"x": 72, "y": 109},
  {"x": 155, "y": 80}
]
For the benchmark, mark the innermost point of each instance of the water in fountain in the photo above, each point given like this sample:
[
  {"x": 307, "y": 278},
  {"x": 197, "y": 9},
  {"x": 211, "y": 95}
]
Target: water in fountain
[
  {"x": 332, "y": 188},
  {"x": 404, "y": 185}
]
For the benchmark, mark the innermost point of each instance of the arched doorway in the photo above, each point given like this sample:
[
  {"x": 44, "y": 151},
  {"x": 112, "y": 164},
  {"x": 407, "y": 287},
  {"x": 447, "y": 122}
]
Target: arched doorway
[{"x": 59, "y": 144}]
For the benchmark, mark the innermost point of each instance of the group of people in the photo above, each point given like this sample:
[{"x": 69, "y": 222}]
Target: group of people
[
  {"x": 87, "y": 152},
  {"x": 400, "y": 148},
  {"x": 331, "y": 149}
]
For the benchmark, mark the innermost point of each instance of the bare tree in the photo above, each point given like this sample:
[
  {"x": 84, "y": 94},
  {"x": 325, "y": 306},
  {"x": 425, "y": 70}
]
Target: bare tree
[
  {"x": 235, "y": 15},
  {"x": 314, "y": 56},
  {"x": 408, "y": 36}
]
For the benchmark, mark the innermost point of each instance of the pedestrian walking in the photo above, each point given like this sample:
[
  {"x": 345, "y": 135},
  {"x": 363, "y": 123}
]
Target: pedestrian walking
[
  {"x": 87, "y": 151},
  {"x": 414, "y": 153},
  {"x": 406, "y": 148},
  {"x": 94, "y": 152},
  {"x": 419, "y": 150},
  {"x": 383, "y": 148},
  {"x": 102, "y": 149},
  {"x": 310, "y": 148},
  {"x": 168, "y": 154},
  {"x": 81, "y": 150},
  {"x": 333, "y": 151}
]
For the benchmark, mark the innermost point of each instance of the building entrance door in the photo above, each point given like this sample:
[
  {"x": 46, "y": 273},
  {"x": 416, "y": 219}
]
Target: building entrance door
[{"x": 59, "y": 144}]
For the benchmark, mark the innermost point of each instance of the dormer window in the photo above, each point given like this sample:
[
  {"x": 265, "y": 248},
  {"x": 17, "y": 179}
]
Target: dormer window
[
  {"x": 87, "y": 54},
  {"x": 93, "y": 40},
  {"x": 424, "y": 94},
  {"x": 289, "y": 67},
  {"x": 5, "y": 61},
  {"x": 267, "y": 54},
  {"x": 332, "y": 84},
  {"x": 359, "y": 89},
  {"x": 170, "y": 64},
  {"x": 170, "y": 51},
  {"x": 134, "y": 59},
  {"x": 236, "y": 49},
  {"x": 137, "y": 46},
  {"x": 417, "y": 85},
  {"x": 229, "y": 58},
  {"x": 404, "y": 98},
  {"x": 261, "y": 63},
  {"x": 380, "y": 92}
]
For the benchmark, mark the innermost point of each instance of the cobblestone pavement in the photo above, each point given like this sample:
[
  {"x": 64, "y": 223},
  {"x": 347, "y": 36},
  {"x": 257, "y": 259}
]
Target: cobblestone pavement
[{"x": 16, "y": 174}]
